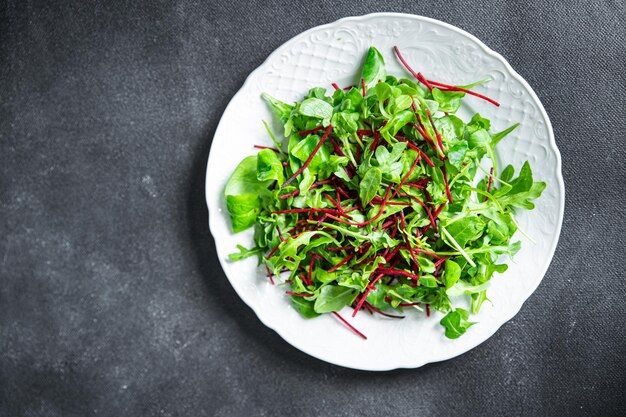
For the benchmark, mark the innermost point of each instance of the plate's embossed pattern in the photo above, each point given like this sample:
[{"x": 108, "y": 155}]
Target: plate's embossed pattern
[{"x": 334, "y": 53}]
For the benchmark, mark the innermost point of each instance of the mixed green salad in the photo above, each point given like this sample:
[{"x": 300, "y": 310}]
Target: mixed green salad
[{"x": 380, "y": 198}]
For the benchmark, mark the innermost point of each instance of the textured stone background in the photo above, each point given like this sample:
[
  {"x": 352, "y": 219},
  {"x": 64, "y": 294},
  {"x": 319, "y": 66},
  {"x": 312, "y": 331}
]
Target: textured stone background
[{"x": 112, "y": 301}]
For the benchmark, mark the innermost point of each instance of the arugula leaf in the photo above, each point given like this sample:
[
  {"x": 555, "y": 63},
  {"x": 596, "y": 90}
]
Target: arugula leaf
[
  {"x": 283, "y": 110},
  {"x": 244, "y": 253},
  {"x": 456, "y": 323}
]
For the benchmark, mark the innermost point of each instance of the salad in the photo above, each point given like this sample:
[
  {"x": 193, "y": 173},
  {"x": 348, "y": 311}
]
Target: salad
[{"x": 380, "y": 198}]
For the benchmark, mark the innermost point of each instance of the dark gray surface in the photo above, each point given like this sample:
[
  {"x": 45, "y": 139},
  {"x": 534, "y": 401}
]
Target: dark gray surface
[{"x": 112, "y": 301}]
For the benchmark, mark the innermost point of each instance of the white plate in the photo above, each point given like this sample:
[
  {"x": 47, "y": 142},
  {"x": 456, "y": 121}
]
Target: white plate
[{"x": 334, "y": 53}]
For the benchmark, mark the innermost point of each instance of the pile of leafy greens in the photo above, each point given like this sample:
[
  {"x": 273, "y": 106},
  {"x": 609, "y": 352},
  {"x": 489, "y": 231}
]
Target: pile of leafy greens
[{"x": 377, "y": 199}]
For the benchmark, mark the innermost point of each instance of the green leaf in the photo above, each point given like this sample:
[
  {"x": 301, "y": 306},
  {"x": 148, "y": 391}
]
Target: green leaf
[
  {"x": 244, "y": 253},
  {"x": 478, "y": 300},
  {"x": 397, "y": 122},
  {"x": 466, "y": 230},
  {"x": 334, "y": 298},
  {"x": 373, "y": 68},
  {"x": 244, "y": 180},
  {"x": 243, "y": 210},
  {"x": 303, "y": 149},
  {"x": 456, "y": 154},
  {"x": 243, "y": 194},
  {"x": 269, "y": 167},
  {"x": 370, "y": 183},
  {"x": 449, "y": 101},
  {"x": 283, "y": 110},
  {"x": 304, "y": 306},
  {"x": 314, "y": 107},
  {"x": 463, "y": 287},
  {"x": 478, "y": 122},
  {"x": 497, "y": 137},
  {"x": 456, "y": 323},
  {"x": 452, "y": 273}
]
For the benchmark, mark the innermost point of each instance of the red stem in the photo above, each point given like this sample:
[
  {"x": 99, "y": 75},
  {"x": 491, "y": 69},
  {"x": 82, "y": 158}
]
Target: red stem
[
  {"x": 349, "y": 325},
  {"x": 370, "y": 287},
  {"x": 266, "y": 147},
  {"x": 344, "y": 261},
  {"x": 310, "y": 158},
  {"x": 432, "y": 123},
  {"x": 311, "y": 210},
  {"x": 399, "y": 272},
  {"x": 379, "y": 311},
  {"x": 408, "y": 242},
  {"x": 335, "y": 86},
  {"x": 428, "y": 212},
  {"x": 363, "y": 86},
  {"x": 445, "y": 180},
  {"x": 470, "y": 92},
  {"x": 308, "y": 132},
  {"x": 417, "y": 75},
  {"x": 269, "y": 274},
  {"x": 298, "y": 294}
]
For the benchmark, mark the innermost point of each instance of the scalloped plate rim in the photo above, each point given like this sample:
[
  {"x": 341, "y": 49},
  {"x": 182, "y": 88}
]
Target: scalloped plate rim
[{"x": 559, "y": 176}]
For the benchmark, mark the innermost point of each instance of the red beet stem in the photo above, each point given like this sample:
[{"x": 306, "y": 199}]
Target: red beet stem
[
  {"x": 370, "y": 287},
  {"x": 422, "y": 131},
  {"x": 399, "y": 272},
  {"x": 335, "y": 86},
  {"x": 310, "y": 158},
  {"x": 379, "y": 311},
  {"x": 310, "y": 272},
  {"x": 298, "y": 294},
  {"x": 296, "y": 192},
  {"x": 375, "y": 141},
  {"x": 470, "y": 92},
  {"x": 304, "y": 279},
  {"x": 308, "y": 132},
  {"x": 345, "y": 260},
  {"x": 310, "y": 210},
  {"x": 445, "y": 181},
  {"x": 417, "y": 75},
  {"x": 428, "y": 212},
  {"x": 392, "y": 254},
  {"x": 365, "y": 223},
  {"x": 363, "y": 86},
  {"x": 335, "y": 202},
  {"x": 439, "y": 142},
  {"x": 273, "y": 251},
  {"x": 408, "y": 243},
  {"x": 349, "y": 325},
  {"x": 408, "y": 304},
  {"x": 427, "y": 310},
  {"x": 269, "y": 274},
  {"x": 406, "y": 177},
  {"x": 424, "y": 251},
  {"x": 266, "y": 147},
  {"x": 364, "y": 132}
]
